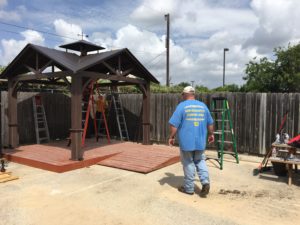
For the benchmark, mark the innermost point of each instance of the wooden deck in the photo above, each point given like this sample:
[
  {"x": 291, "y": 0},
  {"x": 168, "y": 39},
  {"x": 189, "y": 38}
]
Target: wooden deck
[
  {"x": 55, "y": 156},
  {"x": 142, "y": 158}
]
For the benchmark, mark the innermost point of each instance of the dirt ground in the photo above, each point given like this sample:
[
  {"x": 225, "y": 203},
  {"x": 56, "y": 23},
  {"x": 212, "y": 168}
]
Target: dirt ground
[{"x": 102, "y": 195}]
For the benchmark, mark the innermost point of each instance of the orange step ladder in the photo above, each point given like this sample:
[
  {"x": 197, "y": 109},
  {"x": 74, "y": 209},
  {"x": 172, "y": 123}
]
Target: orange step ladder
[
  {"x": 101, "y": 102},
  {"x": 88, "y": 104}
]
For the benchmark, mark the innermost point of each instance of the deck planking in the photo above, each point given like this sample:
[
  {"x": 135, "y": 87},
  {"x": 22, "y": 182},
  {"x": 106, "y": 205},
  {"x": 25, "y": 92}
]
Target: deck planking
[{"x": 55, "y": 156}]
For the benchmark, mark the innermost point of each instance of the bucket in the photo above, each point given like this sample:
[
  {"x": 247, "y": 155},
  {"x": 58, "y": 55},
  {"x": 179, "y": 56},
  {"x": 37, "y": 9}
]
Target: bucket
[{"x": 279, "y": 169}]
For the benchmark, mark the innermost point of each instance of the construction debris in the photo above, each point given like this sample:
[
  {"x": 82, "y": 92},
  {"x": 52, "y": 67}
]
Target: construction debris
[{"x": 5, "y": 176}]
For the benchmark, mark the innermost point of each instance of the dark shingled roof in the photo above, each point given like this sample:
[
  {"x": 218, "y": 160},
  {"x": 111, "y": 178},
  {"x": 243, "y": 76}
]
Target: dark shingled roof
[{"x": 75, "y": 63}]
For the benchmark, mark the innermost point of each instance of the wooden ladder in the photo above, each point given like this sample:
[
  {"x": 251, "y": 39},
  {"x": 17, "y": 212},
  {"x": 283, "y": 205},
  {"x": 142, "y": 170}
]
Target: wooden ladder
[{"x": 118, "y": 108}]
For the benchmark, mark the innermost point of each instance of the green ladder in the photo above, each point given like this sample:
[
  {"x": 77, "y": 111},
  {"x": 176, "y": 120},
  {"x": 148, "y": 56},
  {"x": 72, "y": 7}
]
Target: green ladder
[{"x": 223, "y": 128}]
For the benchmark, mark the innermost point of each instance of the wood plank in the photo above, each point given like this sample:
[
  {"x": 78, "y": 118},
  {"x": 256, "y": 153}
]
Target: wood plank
[
  {"x": 1, "y": 173},
  {"x": 8, "y": 179},
  {"x": 4, "y": 176}
]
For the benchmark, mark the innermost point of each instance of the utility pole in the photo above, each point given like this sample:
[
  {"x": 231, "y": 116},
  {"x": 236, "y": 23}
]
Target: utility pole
[
  {"x": 167, "y": 18},
  {"x": 225, "y": 50}
]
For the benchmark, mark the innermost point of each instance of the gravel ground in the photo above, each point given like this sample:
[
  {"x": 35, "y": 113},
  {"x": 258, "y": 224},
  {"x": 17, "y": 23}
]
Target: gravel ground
[{"x": 102, "y": 195}]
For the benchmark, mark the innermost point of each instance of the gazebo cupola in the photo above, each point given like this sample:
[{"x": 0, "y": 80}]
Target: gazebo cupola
[{"x": 82, "y": 46}]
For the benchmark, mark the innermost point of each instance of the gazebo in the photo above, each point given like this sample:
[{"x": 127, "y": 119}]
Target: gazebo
[{"x": 41, "y": 65}]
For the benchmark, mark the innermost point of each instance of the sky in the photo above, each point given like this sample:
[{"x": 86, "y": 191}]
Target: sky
[{"x": 199, "y": 32}]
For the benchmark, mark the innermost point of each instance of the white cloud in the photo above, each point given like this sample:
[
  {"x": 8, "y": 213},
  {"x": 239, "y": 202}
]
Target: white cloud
[
  {"x": 139, "y": 40},
  {"x": 3, "y": 3},
  {"x": 67, "y": 30},
  {"x": 12, "y": 47},
  {"x": 14, "y": 15},
  {"x": 9, "y": 16},
  {"x": 277, "y": 24},
  {"x": 150, "y": 12},
  {"x": 103, "y": 39},
  {"x": 200, "y": 30}
]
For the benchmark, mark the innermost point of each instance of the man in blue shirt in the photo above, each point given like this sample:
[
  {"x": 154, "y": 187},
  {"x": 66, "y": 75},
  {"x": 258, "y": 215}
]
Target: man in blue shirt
[{"x": 191, "y": 121}]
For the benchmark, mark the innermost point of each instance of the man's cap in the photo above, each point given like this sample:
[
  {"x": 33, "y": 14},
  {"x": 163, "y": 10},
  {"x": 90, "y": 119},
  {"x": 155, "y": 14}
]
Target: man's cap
[{"x": 188, "y": 89}]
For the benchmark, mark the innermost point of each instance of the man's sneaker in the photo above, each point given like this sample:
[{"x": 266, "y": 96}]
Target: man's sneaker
[
  {"x": 181, "y": 189},
  {"x": 205, "y": 190}
]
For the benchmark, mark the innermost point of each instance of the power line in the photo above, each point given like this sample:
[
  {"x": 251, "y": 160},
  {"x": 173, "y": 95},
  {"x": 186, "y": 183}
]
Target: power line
[
  {"x": 40, "y": 31},
  {"x": 147, "y": 63},
  {"x": 153, "y": 64},
  {"x": 62, "y": 36},
  {"x": 14, "y": 32}
]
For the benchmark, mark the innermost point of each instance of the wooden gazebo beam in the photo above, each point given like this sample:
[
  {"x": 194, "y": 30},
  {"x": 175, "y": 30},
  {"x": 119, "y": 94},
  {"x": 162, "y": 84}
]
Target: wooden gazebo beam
[
  {"x": 76, "y": 118},
  {"x": 103, "y": 76},
  {"x": 145, "y": 89},
  {"x": 13, "y": 140},
  {"x": 38, "y": 76}
]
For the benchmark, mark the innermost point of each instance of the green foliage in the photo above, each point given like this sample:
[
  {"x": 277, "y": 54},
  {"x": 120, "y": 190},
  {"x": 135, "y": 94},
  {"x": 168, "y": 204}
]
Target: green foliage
[
  {"x": 227, "y": 88},
  {"x": 156, "y": 88},
  {"x": 183, "y": 84},
  {"x": 201, "y": 88},
  {"x": 2, "y": 68},
  {"x": 129, "y": 89},
  {"x": 279, "y": 75}
]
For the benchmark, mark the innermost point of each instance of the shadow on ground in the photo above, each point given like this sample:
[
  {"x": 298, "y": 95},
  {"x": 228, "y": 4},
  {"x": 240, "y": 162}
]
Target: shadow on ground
[
  {"x": 175, "y": 181},
  {"x": 269, "y": 175}
]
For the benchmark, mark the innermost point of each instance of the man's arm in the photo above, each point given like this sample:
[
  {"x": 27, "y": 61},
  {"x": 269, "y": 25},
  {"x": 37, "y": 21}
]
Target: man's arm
[
  {"x": 211, "y": 137},
  {"x": 173, "y": 131}
]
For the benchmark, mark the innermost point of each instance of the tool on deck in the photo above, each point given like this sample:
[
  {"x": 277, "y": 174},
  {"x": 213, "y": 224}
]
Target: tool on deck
[
  {"x": 263, "y": 165},
  {"x": 223, "y": 129},
  {"x": 3, "y": 164}
]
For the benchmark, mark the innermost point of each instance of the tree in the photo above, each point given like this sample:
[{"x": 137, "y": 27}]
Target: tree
[
  {"x": 201, "y": 88},
  {"x": 227, "y": 88},
  {"x": 183, "y": 84},
  {"x": 2, "y": 68},
  {"x": 279, "y": 75}
]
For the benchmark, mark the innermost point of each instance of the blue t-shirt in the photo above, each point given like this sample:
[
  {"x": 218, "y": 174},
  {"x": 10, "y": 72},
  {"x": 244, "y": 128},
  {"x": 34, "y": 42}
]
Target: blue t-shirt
[{"x": 191, "y": 119}]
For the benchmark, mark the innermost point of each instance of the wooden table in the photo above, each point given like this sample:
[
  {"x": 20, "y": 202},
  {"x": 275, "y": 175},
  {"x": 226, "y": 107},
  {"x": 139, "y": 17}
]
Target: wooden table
[
  {"x": 286, "y": 150},
  {"x": 289, "y": 165}
]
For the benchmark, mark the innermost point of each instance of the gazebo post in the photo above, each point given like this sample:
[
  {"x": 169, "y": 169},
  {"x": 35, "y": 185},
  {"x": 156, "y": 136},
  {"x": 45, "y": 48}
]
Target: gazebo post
[
  {"x": 146, "y": 114},
  {"x": 76, "y": 117},
  {"x": 13, "y": 135}
]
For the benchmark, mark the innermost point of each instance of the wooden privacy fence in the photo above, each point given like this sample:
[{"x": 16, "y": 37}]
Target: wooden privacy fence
[
  {"x": 256, "y": 116},
  {"x": 58, "y": 114}
]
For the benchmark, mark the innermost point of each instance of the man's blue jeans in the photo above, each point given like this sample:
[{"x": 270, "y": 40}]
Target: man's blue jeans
[{"x": 193, "y": 161}]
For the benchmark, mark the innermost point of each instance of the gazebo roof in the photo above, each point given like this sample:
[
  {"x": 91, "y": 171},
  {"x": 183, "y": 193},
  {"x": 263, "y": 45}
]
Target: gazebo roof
[
  {"x": 82, "y": 45},
  {"x": 34, "y": 56}
]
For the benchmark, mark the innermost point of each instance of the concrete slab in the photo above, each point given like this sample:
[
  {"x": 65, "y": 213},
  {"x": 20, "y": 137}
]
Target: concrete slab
[{"x": 103, "y": 195}]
